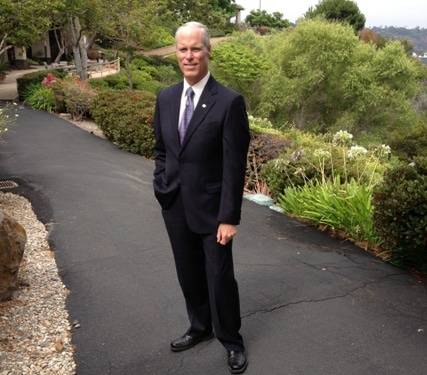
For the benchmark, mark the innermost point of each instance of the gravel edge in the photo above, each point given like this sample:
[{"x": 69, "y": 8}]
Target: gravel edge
[{"x": 35, "y": 333}]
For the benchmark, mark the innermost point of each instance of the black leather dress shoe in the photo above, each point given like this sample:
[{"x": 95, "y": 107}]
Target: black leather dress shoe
[
  {"x": 237, "y": 361},
  {"x": 187, "y": 341}
]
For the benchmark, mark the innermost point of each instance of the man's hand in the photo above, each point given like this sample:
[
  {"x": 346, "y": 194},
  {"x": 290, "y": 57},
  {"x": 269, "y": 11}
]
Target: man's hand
[{"x": 225, "y": 233}]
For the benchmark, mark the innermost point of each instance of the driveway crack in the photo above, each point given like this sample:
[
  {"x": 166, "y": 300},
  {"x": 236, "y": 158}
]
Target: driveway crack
[{"x": 344, "y": 295}]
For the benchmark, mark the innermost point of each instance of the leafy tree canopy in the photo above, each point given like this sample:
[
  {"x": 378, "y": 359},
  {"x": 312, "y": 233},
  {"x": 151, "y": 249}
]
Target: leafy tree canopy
[
  {"x": 213, "y": 13},
  {"x": 257, "y": 18},
  {"x": 323, "y": 78},
  {"x": 339, "y": 10},
  {"x": 24, "y": 21}
]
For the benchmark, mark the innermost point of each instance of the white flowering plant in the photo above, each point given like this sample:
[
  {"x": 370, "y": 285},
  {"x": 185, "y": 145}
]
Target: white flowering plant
[
  {"x": 356, "y": 152},
  {"x": 324, "y": 158},
  {"x": 342, "y": 138},
  {"x": 7, "y": 117}
]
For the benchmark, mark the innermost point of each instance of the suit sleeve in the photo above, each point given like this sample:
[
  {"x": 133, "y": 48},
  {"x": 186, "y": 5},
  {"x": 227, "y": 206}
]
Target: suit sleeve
[
  {"x": 159, "y": 148},
  {"x": 235, "y": 141}
]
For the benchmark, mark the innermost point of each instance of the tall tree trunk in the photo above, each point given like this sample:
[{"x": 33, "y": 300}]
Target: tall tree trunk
[
  {"x": 79, "y": 47},
  {"x": 61, "y": 46},
  {"x": 83, "y": 55},
  {"x": 3, "y": 46}
]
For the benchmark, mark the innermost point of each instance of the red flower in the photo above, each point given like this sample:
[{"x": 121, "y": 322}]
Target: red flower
[{"x": 49, "y": 80}]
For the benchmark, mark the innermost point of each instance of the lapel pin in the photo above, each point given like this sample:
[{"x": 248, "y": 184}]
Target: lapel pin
[{"x": 203, "y": 105}]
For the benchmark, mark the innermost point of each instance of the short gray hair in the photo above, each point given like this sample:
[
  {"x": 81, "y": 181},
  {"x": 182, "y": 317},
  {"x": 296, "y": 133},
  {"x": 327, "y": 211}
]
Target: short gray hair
[{"x": 196, "y": 25}]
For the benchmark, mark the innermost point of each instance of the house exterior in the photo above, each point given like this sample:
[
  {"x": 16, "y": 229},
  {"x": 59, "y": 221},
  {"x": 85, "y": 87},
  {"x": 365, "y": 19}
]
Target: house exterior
[{"x": 46, "y": 49}]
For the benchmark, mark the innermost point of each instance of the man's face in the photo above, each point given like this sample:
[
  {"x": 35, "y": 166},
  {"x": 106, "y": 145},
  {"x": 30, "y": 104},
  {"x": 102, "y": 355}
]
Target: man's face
[{"x": 192, "y": 54}]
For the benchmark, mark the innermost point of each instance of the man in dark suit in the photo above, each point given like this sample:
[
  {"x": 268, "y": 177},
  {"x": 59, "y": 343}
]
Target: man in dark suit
[{"x": 202, "y": 138}]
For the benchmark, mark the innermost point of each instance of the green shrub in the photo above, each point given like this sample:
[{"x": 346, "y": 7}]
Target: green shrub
[
  {"x": 142, "y": 80},
  {"x": 400, "y": 214},
  {"x": 117, "y": 81},
  {"x": 34, "y": 78},
  {"x": 41, "y": 97},
  {"x": 167, "y": 74},
  {"x": 126, "y": 119},
  {"x": 78, "y": 97},
  {"x": 347, "y": 207},
  {"x": 240, "y": 67},
  {"x": 159, "y": 37},
  {"x": 411, "y": 142},
  {"x": 99, "y": 83},
  {"x": 58, "y": 92}
]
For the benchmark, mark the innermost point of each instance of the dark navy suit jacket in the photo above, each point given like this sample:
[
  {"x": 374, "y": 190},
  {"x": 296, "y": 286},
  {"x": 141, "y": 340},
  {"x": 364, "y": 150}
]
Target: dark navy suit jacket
[{"x": 208, "y": 169}]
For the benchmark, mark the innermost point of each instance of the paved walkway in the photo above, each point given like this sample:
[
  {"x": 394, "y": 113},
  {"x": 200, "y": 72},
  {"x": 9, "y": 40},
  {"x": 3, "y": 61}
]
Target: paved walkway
[
  {"x": 8, "y": 89},
  {"x": 311, "y": 305}
]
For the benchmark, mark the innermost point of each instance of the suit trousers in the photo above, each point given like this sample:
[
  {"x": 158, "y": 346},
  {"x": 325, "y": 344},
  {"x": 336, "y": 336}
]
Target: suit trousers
[{"x": 206, "y": 276}]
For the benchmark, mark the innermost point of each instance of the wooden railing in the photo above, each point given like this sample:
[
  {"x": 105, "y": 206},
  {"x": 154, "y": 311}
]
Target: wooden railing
[
  {"x": 98, "y": 69},
  {"x": 95, "y": 70}
]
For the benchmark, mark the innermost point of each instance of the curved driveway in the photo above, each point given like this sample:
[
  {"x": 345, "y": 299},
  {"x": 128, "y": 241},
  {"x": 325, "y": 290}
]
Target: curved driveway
[{"x": 311, "y": 305}]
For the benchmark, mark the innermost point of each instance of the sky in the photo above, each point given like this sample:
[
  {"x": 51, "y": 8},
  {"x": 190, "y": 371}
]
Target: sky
[{"x": 402, "y": 13}]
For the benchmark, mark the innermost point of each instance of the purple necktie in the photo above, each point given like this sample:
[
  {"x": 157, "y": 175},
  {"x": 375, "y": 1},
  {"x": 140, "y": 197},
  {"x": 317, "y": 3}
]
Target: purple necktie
[{"x": 188, "y": 113}]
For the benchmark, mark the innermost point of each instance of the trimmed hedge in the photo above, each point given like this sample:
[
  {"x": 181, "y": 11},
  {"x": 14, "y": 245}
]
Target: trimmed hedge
[
  {"x": 400, "y": 214},
  {"x": 35, "y": 78},
  {"x": 126, "y": 118}
]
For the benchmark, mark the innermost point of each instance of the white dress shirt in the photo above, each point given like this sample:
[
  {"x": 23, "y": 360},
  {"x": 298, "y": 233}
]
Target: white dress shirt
[{"x": 197, "y": 88}]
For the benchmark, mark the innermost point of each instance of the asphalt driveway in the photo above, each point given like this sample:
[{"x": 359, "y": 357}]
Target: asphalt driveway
[{"x": 311, "y": 305}]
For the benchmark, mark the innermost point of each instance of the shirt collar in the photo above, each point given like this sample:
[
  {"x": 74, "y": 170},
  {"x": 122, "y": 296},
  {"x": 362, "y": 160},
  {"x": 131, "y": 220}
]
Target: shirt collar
[{"x": 197, "y": 87}]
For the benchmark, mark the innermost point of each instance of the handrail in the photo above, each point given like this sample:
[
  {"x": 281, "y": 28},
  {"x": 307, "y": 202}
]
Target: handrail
[{"x": 92, "y": 67}]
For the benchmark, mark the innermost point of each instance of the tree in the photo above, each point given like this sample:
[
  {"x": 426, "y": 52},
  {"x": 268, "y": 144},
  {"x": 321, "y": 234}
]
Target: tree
[
  {"x": 339, "y": 10},
  {"x": 258, "y": 18},
  {"x": 237, "y": 63},
  {"x": 215, "y": 14},
  {"x": 24, "y": 21},
  {"x": 323, "y": 78},
  {"x": 130, "y": 24}
]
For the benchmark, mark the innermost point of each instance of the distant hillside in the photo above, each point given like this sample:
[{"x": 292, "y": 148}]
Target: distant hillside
[{"x": 417, "y": 36}]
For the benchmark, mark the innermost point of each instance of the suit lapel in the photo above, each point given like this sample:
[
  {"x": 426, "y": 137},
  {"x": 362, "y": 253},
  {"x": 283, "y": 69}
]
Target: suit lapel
[
  {"x": 206, "y": 101},
  {"x": 175, "y": 103}
]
